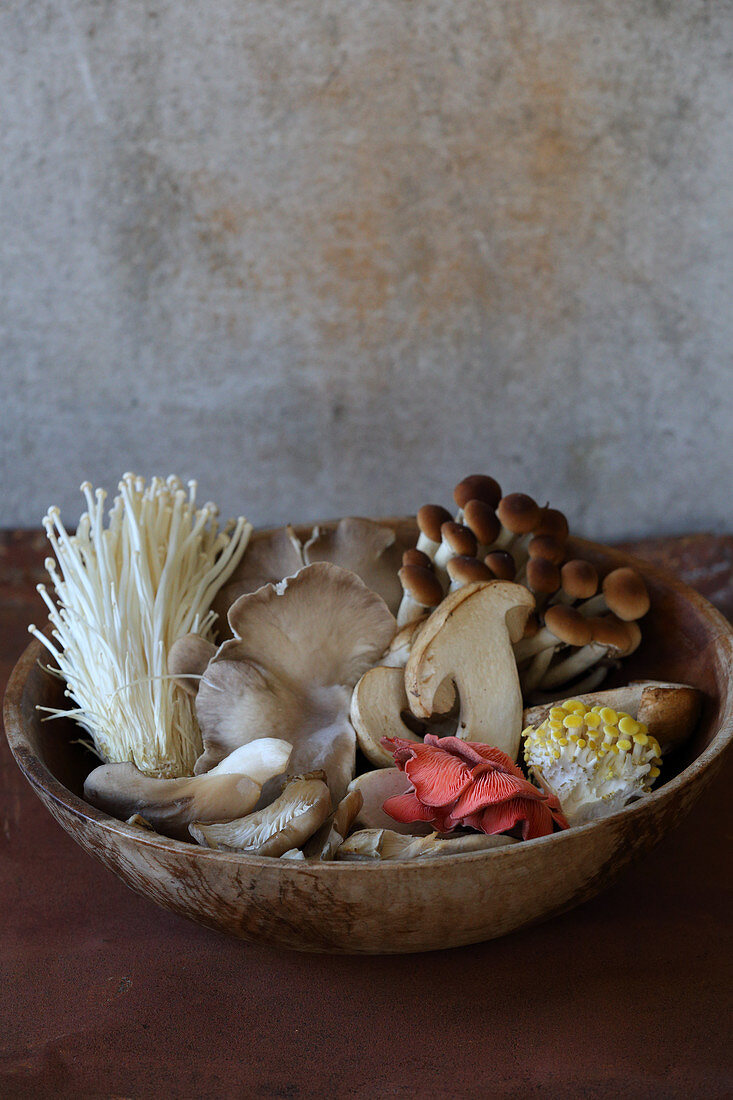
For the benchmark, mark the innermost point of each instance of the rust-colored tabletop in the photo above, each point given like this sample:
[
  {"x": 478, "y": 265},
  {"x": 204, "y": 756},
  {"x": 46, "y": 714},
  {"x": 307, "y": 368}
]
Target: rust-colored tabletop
[{"x": 102, "y": 994}]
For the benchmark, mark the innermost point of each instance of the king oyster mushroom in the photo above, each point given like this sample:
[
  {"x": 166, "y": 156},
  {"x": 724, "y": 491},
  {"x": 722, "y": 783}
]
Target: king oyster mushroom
[
  {"x": 168, "y": 805},
  {"x": 276, "y": 829},
  {"x": 298, "y": 649},
  {"x": 468, "y": 640}
]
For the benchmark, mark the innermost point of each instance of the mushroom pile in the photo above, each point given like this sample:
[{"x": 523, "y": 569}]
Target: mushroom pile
[
  {"x": 581, "y": 626},
  {"x": 367, "y": 698}
]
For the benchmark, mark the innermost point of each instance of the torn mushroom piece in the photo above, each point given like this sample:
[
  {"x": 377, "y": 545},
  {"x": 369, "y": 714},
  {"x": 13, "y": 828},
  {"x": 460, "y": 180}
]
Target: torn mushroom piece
[
  {"x": 468, "y": 641},
  {"x": 623, "y": 592},
  {"x": 326, "y": 840},
  {"x": 169, "y": 805},
  {"x": 610, "y": 639},
  {"x": 377, "y": 704},
  {"x": 399, "y": 648},
  {"x": 286, "y": 824},
  {"x": 386, "y": 844},
  {"x": 422, "y": 591},
  {"x": 299, "y": 649}
]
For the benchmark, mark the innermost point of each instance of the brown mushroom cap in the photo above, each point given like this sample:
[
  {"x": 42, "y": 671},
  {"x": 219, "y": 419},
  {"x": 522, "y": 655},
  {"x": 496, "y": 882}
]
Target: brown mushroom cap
[
  {"x": 465, "y": 570},
  {"x": 552, "y": 522},
  {"x": 459, "y": 538},
  {"x": 626, "y": 594},
  {"x": 421, "y": 584},
  {"x": 567, "y": 624},
  {"x": 610, "y": 631},
  {"x": 416, "y": 557},
  {"x": 477, "y": 487},
  {"x": 481, "y": 518},
  {"x": 518, "y": 513},
  {"x": 430, "y": 519},
  {"x": 542, "y": 576},
  {"x": 501, "y": 563},
  {"x": 579, "y": 579},
  {"x": 545, "y": 546}
]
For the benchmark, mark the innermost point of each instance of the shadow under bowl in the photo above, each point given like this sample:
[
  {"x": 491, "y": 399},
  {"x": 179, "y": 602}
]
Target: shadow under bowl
[{"x": 417, "y": 905}]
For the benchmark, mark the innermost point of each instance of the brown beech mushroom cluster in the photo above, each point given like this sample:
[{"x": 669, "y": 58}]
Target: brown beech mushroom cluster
[{"x": 491, "y": 537}]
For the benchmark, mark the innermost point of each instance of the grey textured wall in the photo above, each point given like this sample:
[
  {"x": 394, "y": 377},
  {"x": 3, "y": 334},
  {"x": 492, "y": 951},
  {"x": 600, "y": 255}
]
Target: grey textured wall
[{"x": 328, "y": 257}]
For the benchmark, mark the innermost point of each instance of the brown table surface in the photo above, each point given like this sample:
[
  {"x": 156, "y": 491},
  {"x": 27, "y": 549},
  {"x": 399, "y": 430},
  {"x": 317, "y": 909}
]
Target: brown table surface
[{"x": 104, "y": 994}]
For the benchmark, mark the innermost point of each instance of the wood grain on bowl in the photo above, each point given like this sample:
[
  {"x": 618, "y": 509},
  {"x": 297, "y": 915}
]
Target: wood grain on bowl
[{"x": 416, "y": 906}]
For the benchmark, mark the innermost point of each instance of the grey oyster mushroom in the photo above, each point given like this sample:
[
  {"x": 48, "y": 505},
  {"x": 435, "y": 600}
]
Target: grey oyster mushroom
[
  {"x": 298, "y": 650},
  {"x": 169, "y": 805},
  {"x": 384, "y": 844},
  {"x": 268, "y": 559},
  {"x": 324, "y": 843},
  {"x": 276, "y": 830},
  {"x": 371, "y": 550}
]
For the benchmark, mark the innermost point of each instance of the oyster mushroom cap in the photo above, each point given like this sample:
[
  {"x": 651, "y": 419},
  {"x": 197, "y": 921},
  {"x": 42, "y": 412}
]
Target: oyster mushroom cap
[
  {"x": 468, "y": 640},
  {"x": 169, "y": 805},
  {"x": 268, "y": 559},
  {"x": 298, "y": 650},
  {"x": 387, "y": 844},
  {"x": 280, "y": 827},
  {"x": 187, "y": 660},
  {"x": 369, "y": 549}
]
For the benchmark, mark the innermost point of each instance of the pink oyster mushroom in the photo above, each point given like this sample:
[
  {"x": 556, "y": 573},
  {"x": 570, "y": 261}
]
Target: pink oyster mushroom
[{"x": 466, "y": 784}]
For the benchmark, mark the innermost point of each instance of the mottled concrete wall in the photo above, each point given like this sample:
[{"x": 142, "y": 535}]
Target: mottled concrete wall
[{"x": 330, "y": 257}]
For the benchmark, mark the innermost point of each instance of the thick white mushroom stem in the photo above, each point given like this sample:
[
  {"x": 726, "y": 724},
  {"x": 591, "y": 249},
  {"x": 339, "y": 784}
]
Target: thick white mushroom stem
[{"x": 468, "y": 641}]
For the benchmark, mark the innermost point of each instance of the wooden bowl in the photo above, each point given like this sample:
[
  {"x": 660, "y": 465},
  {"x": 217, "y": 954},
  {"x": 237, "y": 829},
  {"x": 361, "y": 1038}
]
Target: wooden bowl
[{"x": 411, "y": 906}]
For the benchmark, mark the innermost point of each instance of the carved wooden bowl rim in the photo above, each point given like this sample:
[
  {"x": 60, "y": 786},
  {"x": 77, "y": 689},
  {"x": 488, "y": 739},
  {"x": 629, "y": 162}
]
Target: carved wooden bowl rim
[{"x": 40, "y": 777}]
